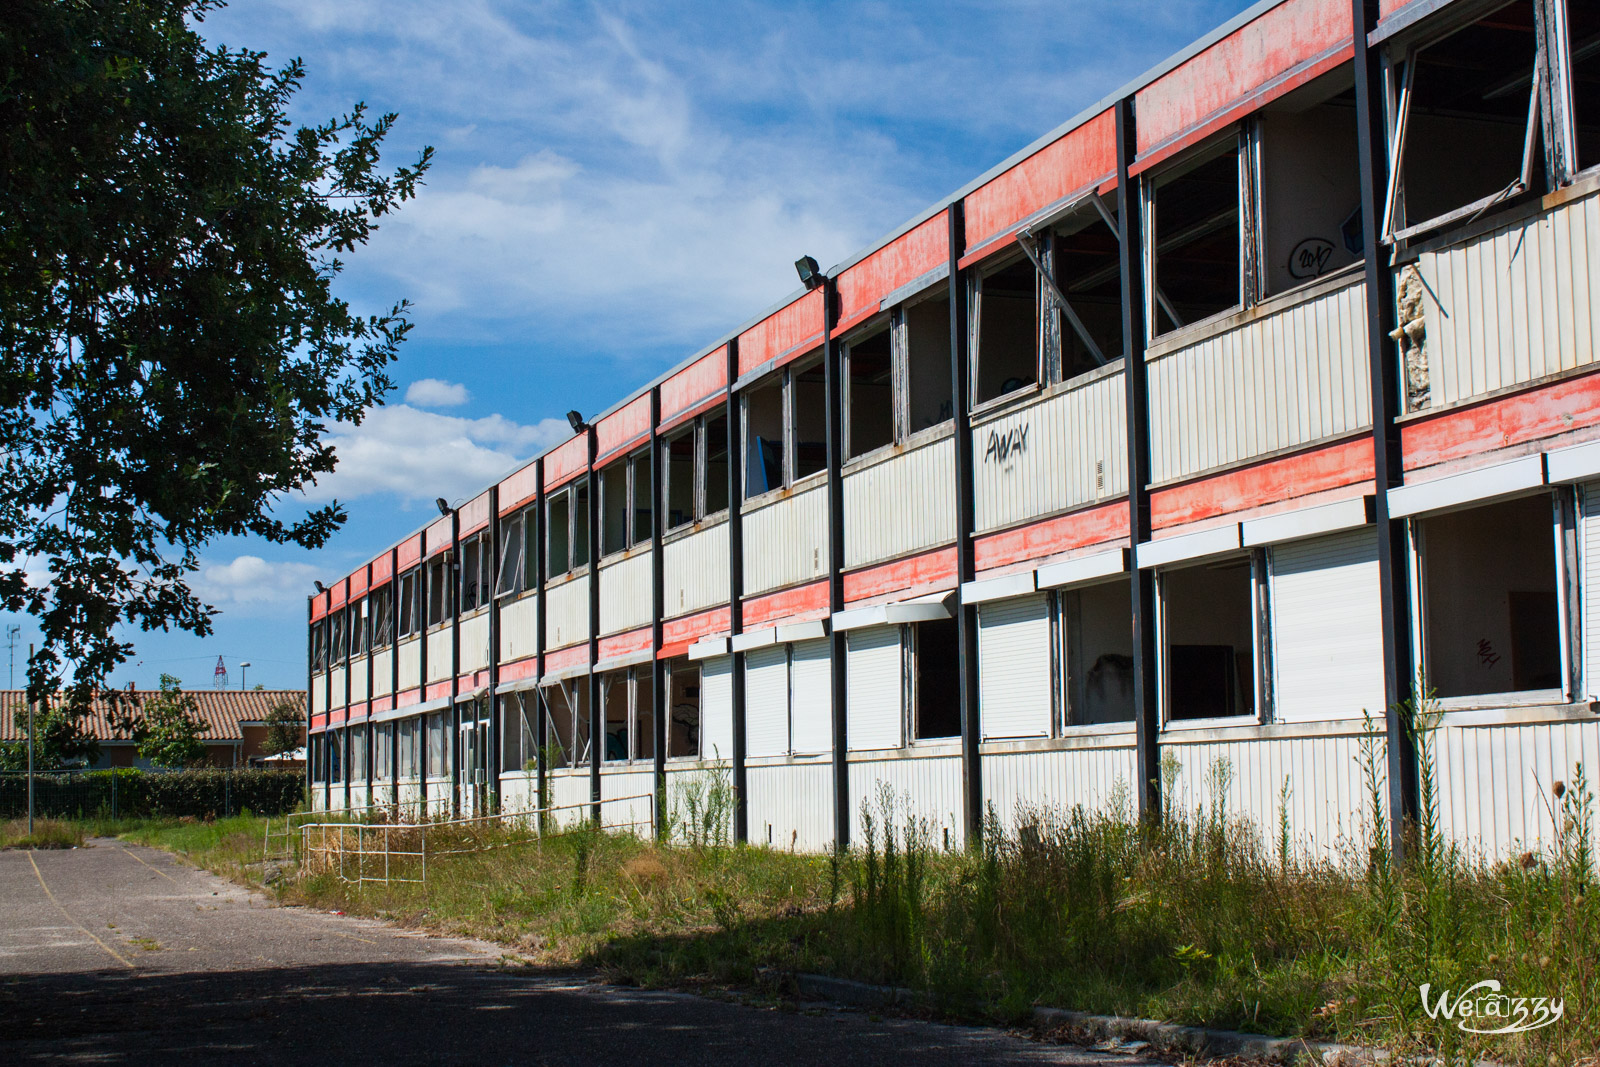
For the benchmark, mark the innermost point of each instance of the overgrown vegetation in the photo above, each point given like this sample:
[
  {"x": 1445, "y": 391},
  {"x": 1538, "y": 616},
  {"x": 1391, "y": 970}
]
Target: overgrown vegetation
[
  {"x": 125, "y": 792},
  {"x": 47, "y": 833},
  {"x": 1204, "y": 919}
]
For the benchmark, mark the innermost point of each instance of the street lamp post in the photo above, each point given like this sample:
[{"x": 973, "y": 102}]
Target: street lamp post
[{"x": 242, "y": 666}]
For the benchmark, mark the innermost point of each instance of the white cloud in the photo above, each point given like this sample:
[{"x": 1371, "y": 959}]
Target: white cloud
[
  {"x": 250, "y": 581},
  {"x": 436, "y": 393},
  {"x": 418, "y": 455}
]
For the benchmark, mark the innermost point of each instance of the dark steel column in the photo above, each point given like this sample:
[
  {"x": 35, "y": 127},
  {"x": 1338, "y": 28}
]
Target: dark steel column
[
  {"x": 535, "y": 568},
  {"x": 966, "y": 615},
  {"x": 1141, "y": 582},
  {"x": 658, "y": 698},
  {"x": 1388, "y": 472},
  {"x": 454, "y": 745},
  {"x": 837, "y": 644},
  {"x": 344, "y": 734},
  {"x": 491, "y": 758},
  {"x": 741, "y": 807},
  {"x": 372, "y": 731},
  {"x": 394, "y": 673},
  {"x": 311, "y": 666},
  {"x": 597, "y": 716}
]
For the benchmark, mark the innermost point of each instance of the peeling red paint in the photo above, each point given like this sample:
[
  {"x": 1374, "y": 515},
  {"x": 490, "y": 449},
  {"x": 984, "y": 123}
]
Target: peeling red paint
[
  {"x": 1300, "y": 474},
  {"x": 1077, "y": 160},
  {"x": 436, "y": 538},
  {"x": 1091, "y": 526},
  {"x": 338, "y": 594},
  {"x": 563, "y": 658},
  {"x": 438, "y": 690},
  {"x": 319, "y": 606},
  {"x": 1544, "y": 412},
  {"x": 382, "y": 569},
  {"x": 802, "y": 603},
  {"x": 623, "y": 427},
  {"x": 622, "y": 644},
  {"x": 474, "y": 514},
  {"x": 566, "y": 461},
  {"x": 409, "y": 554},
  {"x": 681, "y": 633},
  {"x": 688, "y": 391},
  {"x": 519, "y": 669},
  {"x": 787, "y": 333},
  {"x": 406, "y": 697},
  {"x": 901, "y": 576},
  {"x": 863, "y": 286},
  {"x": 357, "y": 583},
  {"x": 519, "y": 489}
]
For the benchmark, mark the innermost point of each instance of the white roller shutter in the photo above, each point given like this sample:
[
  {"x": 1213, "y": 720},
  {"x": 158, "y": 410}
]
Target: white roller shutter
[
  {"x": 1014, "y": 667},
  {"x": 1327, "y": 633},
  {"x": 873, "y": 684},
  {"x": 716, "y": 708},
  {"x": 1589, "y": 587},
  {"x": 811, "y": 682},
  {"x": 766, "y": 701}
]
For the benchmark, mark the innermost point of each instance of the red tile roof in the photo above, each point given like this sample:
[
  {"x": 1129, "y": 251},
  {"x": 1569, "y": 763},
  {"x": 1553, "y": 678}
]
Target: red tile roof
[{"x": 222, "y": 709}]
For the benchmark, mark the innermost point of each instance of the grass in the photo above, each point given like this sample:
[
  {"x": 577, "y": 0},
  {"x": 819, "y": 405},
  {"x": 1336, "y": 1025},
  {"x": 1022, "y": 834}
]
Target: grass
[{"x": 47, "y": 833}]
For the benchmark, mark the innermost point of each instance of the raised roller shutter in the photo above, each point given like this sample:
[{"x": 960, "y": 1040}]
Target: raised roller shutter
[
  {"x": 716, "y": 708},
  {"x": 766, "y": 701},
  {"x": 811, "y": 702},
  {"x": 873, "y": 682},
  {"x": 1014, "y": 667},
  {"x": 1327, "y": 633}
]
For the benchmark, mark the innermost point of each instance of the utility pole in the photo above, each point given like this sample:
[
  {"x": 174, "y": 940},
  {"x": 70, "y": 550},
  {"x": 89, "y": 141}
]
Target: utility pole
[
  {"x": 12, "y": 632},
  {"x": 30, "y": 750}
]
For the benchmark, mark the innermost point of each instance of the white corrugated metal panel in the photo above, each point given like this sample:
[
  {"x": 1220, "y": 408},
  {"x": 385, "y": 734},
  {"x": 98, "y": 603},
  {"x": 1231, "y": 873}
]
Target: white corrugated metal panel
[
  {"x": 786, "y": 541},
  {"x": 338, "y": 692},
  {"x": 1055, "y": 781},
  {"x": 694, "y": 571},
  {"x": 1327, "y": 633},
  {"x": 358, "y": 679},
  {"x": 1274, "y": 382},
  {"x": 383, "y": 672},
  {"x": 1067, "y": 449},
  {"x": 571, "y": 793},
  {"x": 1014, "y": 667},
  {"x": 625, "y": 594},
  {"x": 716, "y": 708},
  {"x": 627, "y": 815},
  {"x": 766, "y": 701},
  {"x": 901, "y": 505},
  {"x": 475, "y": 642},
  {"x": 811, "y": 717},
  {"x": 1589, "y": 589},
  {"x": 566, "y": 618},
  {"x": 1495, "y": 782},
  {"x": 1514, "y": 304},
  {"x": 519, "y": 628},
  {"x": 410, "y": 652},
  {"x": 439, "y": 659},
  {"x": 873, "y": 677},
  {"x": 921, "y": 787},
  {"x": 791, "y": 806},
  {"x": 319, "y": 694},
  {"x": 519, "y": 791},
  {"x": 1328, "y": 807}
]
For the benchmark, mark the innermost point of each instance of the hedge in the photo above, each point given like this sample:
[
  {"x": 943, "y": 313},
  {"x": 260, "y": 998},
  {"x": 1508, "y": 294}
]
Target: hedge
[{"x": 204, "y": 792}]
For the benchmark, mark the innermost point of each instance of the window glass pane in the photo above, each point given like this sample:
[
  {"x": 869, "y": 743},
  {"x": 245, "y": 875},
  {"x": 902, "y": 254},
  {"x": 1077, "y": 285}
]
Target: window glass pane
[
  {"x": 614, "y": 508},
  {"x": 558, "y": 529},
  {"x": 763, "y": 435},
  {"x": 927, "y": 326},
  {"x": 642, "y": 493},
  {"x": 683, "y": 709},
  {"x": 810, "y": 421},
  {"x": 510, "y": 556},
  {"x": 716, "y": 436},
  {"x": 580, "y": 525},
  {"x": 1198, "y": 270},
  {"x": 644, "y": 734},
  {"x": 1098, "y": 623},
  {"x": 1209, "y": 668},
  {"x": 1008, "y": 331},
  {"x": 871, "y": 392},
  {"x": 680, "y": 479},
  {"x": 471, "y": 553}
]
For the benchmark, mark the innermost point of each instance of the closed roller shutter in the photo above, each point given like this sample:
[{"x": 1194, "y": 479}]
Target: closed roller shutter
[
  {"x": 1014, "y": 667},
  {"x": 873, "y": 683},
  {"x": 1327, "y": 633},
  {"x": 716, "y": 708},
  {"x": 811, "y": 681},
  {"x": 766, "y": 701},
  {"x": 1589, "y": 567}
]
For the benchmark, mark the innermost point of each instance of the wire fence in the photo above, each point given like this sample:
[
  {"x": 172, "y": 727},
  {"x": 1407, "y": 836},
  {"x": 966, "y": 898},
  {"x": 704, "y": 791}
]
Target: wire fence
[{"x": 127, "y": 792}]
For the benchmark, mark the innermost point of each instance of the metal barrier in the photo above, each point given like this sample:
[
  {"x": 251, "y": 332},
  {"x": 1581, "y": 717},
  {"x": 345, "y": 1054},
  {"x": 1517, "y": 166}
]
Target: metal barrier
[{"x": 389, "y": 852}]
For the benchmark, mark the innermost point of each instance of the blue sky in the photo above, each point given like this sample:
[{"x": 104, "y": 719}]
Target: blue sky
[{"x": 616, "y": 186}]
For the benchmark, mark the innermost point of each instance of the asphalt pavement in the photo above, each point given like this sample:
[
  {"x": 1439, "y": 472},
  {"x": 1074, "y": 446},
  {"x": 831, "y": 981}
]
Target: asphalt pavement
[{"x": 115, "y": 953}]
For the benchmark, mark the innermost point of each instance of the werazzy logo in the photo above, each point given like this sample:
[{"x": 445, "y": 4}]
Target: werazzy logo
[{"x": 1481, "y": 1006}]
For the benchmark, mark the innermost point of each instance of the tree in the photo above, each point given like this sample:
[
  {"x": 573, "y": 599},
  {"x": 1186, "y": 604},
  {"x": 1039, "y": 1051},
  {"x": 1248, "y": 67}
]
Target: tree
[
  {"x": 286, "y": 725},
  {"x": 169, "y": 727},
  {"x": 171, "y": 349},
  {"x": 59, "y": 739}
]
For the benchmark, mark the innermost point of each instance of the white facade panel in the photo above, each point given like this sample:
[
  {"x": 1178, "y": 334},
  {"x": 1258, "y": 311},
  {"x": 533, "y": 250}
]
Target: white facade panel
[
  {"x": 439, "y": 658},
  {"x": 716, "y": 708},
  {"x": 383, "y": 672},
  {"x": 570, "y": 796},
  {"x": 519, "y": 791},
  {"x": 873, "y": 677},
  {"x": 1327, "y": 633},
  {"x": 519, "y": 628},
  {"x": 921, "y": 787},
  {"x": 439, "y": 798},
  {"x": 566, "y": 619},
  {"x": 694, "y": 571},
  {"x": 811, "y": 700},
  {"x": 786, "y": 541},
  {"x": 410, "y": 653},
  {"x": 1066, "y": 449},
  {"x": 625, "y": 593},
  {"x": 1014, "y": 667},
  {"x": 475, "y": 642},
  {"x": 1513, "y": 305},
  {"x": 791, "y": 806},
  {"x": 1051, "y": 782},
  {"x": 766, "y": 701},
  {"x": 410, "y": 798},
  {"x": 319, "y": 694},
  {"x": 358, "y": 680},
  {"x": 627, "y": 800},
  {"x": 901, "y": 505},
  {"x": 338, "y": 693},
  {"x": 1282, "y": 379},
  {"x": 1589, "y": 564}
]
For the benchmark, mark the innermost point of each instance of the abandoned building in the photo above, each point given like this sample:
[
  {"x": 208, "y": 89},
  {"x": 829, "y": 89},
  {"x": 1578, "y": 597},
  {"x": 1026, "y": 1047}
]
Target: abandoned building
[{"x": 1197, "y": 431}]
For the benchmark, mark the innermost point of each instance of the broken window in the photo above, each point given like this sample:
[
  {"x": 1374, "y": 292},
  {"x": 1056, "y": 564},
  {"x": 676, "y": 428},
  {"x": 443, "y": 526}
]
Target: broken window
[
  {"x": 1097, "y": 627},
  {"x": 382, "y": 751},
  {"x": 639, "y": 491},
  {"x": 926, "y": 325},
  {"x": 1195, "y": 238},
  {"x": 439, "y": 745},
  {"x": 519, "y": 747},
  {"x": 869, "y": 382},
  {"x": 936, "y": 680},
  {"x": 358, "y": 628},
  {"x": 410, "y": 747},
  {"x": 558, "y": 535},
  {"x": 810, "y": 392},
  {"x": 410, "y": 604},
  {"x": 785, "y": 431},
  {"x": 477, "y": 563},
  {"x": 1467, "y": 123},
  {"x": 1208, "y": 614},
  {"x": 678, "y": 455},
  {"x": 763, "y": 437},
  {"x": 1310, "y": 189},
  {"x": 715, "y": 436},
  {"x": 614, "y": 508},
  {"x": 1081, "y": 258},
  {"x": 580, "y": 524},
  {"x": 339, "y": 643},
  {"x": 360, "y": 771},
  {"x": 1005, "y": 344},
  {"x": 644, "y": 717},
  {"x": 382, "y": 612},
  {"x": 616, "y": 698},
  {"x": 683, "y": 708},
  {"x": 512, "y": 539},
  {"x": 439, "y": 589},
  {"x": 1491, "y": 610},
  {"x": 319, "y": 646},
  {"x": 335, "y": 764},
  {"x": 1583, "y": 33}
]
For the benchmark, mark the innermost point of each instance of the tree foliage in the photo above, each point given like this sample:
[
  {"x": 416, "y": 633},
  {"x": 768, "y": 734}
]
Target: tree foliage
[
  {"x": 60, "y": 739},
  {"x": 168, "y": 729},
  {"x": 286, "y": 724},
  {"x": 171, "y": 349}
]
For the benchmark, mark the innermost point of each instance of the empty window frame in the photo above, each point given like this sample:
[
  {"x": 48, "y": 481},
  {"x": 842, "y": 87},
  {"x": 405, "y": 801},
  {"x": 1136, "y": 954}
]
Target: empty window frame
[
  {"x": 513, "y": 577},
  {"x": 410, "y": 612},
  {"x": 335, "y": 753},
  {"x": 625, "y": 503},
  {"x": 1582, "y": 63},
  {"x": 567, "y": 529},
  {"x": 629, "y": 714},
  {"x": 869, "y": 390},
  {"x": 1081, "y": 256},
  {"x": 1491, "y": 595},
  {"x": 382, "y": 751},
  {"x": 319, "y": 646},
  {"x": 1096, "y": 625},
  {"x": 1005, "y": 329},
  {"x": 1213, "y": 644},
  {"x": 438, "y": 745},
  {"x": 1466, "y": 122},
  {"x": 785, "y": 429},
  {"x": 358, "y": 628},
  {"x": 441, "y": 588},
  {"x": 935, "y": 680},
  {"x": 566, "y": 706},
  {"x": 808, "y": 399},
  {"x": 519, "y": 746},
  {"x": 764, "y": 416},
  {"x": 409, "y": 755},
  {"x": 381, "y": 613},
  {"x": 339, "y": 637},
  {"x": 679, "y": 455},
  {"x": 896, "y": 378},
  {"x": 1195, "y": 235},
  {"x": 683, "y": 709},
  {"x": 477, "y": 571}
]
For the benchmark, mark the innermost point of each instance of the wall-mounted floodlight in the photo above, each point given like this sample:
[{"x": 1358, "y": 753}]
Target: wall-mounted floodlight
[
  {"x": 811, "y": 275},
  {"x": 576, "y": 419},
  {"x": 442, "y": 504},
  {"x": 318, "y": 584}
]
